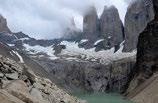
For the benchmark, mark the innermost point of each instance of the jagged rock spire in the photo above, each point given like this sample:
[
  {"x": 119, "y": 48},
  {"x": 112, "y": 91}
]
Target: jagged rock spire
[
  {"x": 90, "y": 21},
  {"x": 111, "y": 26},
  {"x": 3, "y": 25}
]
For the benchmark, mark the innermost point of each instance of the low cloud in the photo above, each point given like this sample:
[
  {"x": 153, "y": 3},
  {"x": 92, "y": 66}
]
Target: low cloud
[{"x": 46, "y": 19}]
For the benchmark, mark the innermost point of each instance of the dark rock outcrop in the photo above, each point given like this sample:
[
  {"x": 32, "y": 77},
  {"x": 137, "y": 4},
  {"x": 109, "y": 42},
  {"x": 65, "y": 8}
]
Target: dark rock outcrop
[
  {"x": 111, "y": 27},
  {"x": 138, "y": 15},
  {"x": 3, "y": 25},
  {"x": 145, "y": 75}
]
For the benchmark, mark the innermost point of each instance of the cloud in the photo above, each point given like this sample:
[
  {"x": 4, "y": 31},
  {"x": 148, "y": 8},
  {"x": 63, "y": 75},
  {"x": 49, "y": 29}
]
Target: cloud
[{"x": 46, "y": 19}]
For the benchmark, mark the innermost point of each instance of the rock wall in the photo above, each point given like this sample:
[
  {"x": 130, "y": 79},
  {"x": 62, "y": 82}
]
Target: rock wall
[
  {"x": 111, "y": 27},
  {"x": 138, "y": 15},
  {"x": 144, "y": 81},
  {"x": 108, "y": 27},
  {"x": 90, "y": 22},
  {"x": 3, "y": 25},
  {"x": 89, "y": 76}
]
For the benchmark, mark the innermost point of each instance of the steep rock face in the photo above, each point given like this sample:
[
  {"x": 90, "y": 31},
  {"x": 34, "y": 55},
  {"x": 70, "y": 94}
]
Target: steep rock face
[
  {"x": 89, "y": 76},
  {"x": 136, "y": 19},
  {"x": 3, "y": 25},
  {"x": 145, "y": 74},
  {"x": 111, "y": 27},
  {"x": 90, "y": 23}
]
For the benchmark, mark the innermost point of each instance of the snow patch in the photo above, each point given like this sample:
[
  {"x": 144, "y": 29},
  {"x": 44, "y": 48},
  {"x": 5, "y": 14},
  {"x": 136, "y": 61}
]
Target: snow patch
[
  {"x": 104, "y": 56},
  {"x": 83, "y": 41},
  {"x": 39, "y": 49},
  {"x": 98, "y": 41},
  {"x": 19, "y": 56},
  {"x": 24, "y": 39},
  {"x": 11, "y": 45},
  {"x": 73, "y": 52}
]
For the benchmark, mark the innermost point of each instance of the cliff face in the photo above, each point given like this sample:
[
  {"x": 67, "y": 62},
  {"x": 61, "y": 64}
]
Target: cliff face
[
  {"x": 89, "y": 76},
  {"x": 108, "y": 27},
  {"x": 111, "y": 27},
  {"x": 147, "y": 48},
  {"x": 3, "y": 25},
  {"x": 90, "y": 22},
  {"x": 136, "y": 19},
  {"x": 145, "y": 80}
]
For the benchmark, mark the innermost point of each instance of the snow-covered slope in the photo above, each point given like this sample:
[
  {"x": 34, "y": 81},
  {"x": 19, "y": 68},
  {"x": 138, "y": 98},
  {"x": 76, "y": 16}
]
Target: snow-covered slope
[{"x": 73, "y": 52}]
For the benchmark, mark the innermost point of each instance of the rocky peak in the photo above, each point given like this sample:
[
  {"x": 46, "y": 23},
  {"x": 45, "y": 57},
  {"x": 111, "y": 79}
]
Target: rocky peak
[
  {"x": 111, "y": 26},
  {"x": 90, "y": 21},
  {"x": 139, "y": 13},
  {"x": 3, "y": 25}
]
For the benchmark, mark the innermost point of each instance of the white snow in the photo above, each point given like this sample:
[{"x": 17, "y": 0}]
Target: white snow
[
  {"x": 11, "y": 45},
  {"x": 19, "y": 56},
  {"x": 104, "y": 56},
  {"x": 83, "y": 41},
  {"x": 73, "y": 52},
  {"x": 109, "y": 37},
  {"x": 40, "y": 49},
  {"x": 24, "y": 39},
  {"x": 98, "y": 41},
  {"x": 15, "y": 36}
]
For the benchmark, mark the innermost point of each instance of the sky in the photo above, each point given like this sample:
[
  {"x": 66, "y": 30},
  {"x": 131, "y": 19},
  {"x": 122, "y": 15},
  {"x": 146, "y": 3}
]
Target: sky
[{"x": 47, "y": 19}]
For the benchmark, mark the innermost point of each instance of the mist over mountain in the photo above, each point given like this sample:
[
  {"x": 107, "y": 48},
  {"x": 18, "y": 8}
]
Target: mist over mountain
[{"x": 45, "y": 19}]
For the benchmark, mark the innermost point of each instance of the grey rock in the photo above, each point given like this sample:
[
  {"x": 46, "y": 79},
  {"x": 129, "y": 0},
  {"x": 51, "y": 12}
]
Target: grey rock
[
  {"x": 58, "y": 49},
  {"x": 5, "y": 82},
  {"x": 90, "y": 23},
  {"x": 8, "y": 98},
  {"x": 111, "y": 27},
  {"x": 136, "y": 19},
  {"x": 1, "y": 75},
  {"x": 89, "y": 76},
  {"x": 147, "y": 64},
  {"x": 3, "y": 25},
  {"x": 36, "y": 93},
  {"x": 12, "y": 76}
]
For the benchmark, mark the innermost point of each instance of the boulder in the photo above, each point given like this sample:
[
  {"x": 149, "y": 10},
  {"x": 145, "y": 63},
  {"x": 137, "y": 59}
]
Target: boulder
[
  {"x": 5, "y": 97},
  {"x": 12, "y": 76},
  {"x": 36, "y": 93}
]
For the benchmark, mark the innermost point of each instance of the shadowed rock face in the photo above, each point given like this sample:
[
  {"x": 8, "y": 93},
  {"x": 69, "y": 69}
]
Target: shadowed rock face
[
  {"x": 3, "y": 25},
  {"x": 111, "y": 26},
  {"x": 136, "y": 19},
  {"x": 90, "y": 22},
  {"x": 147, "y": 56}
]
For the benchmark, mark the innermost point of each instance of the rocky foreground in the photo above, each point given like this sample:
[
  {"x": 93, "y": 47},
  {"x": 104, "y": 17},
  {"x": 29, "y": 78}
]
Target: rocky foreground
[{"x": 18, "y": 84}]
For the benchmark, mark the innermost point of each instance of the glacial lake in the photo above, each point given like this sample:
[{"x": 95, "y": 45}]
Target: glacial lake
[{"x": 102, "y": 98}]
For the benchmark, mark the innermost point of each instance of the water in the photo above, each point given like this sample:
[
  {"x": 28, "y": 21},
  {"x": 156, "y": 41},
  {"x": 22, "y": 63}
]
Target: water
[{"x": 102, "y": 98}]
